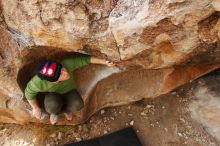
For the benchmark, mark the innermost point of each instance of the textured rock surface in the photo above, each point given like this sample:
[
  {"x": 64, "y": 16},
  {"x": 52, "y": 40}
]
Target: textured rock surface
[
  {"x": 205, "y": 108},
  {"x": 147, "y": 39},
  {"x": 130, "y": 86},
  {"x": 118, "y": 29}
]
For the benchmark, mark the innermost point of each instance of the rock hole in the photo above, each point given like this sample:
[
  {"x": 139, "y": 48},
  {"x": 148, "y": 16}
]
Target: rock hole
[
  {"x": 1, "y": 56},
  {"x": 2, "y": 53},
  {"x": 34, "y": 56}
]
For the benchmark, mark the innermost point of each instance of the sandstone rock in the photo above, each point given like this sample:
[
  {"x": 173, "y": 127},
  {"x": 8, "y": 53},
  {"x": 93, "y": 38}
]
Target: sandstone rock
[
  {"x": 156, "y": 45},
  {"x": 118, "y": 29},
  {"x": 216, "y": 5},
  {"x": 205, "y": 108},
  {"x": 132, "y": 22}
]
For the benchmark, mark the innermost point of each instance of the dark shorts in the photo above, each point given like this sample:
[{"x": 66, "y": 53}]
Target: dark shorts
[{"x": 57, "y": 103}]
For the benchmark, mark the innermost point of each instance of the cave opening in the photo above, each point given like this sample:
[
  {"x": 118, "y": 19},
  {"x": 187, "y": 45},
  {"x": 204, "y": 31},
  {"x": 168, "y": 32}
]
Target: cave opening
[{"x": 30, "y": 60}]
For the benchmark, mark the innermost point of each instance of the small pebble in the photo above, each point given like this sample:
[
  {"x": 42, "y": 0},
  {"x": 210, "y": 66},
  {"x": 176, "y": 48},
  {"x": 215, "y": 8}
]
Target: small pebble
[
  {"x": 143, "y": 114},
  {"x": 180, "y": 134},
  {"x": 78, "y": 139},
  {"x": 132, "y": 123},
  {"x": 181, "y": 119},
  {"x": 149, "y": 106},
  {"x": 102, "y": 112},
  {"x": 59, "y": 135},
  {"x": 53, "y": 135},
  {"x": 112, "y": 118},
  {"x": 25, "y": 144}
]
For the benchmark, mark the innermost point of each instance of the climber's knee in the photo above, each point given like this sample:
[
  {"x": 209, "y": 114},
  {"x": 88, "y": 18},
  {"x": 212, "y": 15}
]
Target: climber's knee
[{"x": 53, "y": 103}]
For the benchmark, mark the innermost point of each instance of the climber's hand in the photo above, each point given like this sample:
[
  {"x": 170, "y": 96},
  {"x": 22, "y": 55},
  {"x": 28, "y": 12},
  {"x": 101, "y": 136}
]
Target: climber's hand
[
  {"x": 37, "y": 113},
  {"x": 102, "y": 61},
  {"x": 109, "y": 63}
]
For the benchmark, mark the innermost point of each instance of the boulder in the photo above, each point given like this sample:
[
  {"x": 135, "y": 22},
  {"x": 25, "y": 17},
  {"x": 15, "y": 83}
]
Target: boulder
[{"x": 156, "y": 45}]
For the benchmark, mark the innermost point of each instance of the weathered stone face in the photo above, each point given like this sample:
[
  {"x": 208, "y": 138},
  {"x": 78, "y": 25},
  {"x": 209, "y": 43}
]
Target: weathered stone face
[
  {"x": 205, "y": 108},
  {"x": 146, "y": 39},
  {"x": 118, "y": 29}
]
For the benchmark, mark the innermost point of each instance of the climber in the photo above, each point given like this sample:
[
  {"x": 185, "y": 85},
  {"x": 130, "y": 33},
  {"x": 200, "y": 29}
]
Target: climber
[{"x": 57, "y": 82}]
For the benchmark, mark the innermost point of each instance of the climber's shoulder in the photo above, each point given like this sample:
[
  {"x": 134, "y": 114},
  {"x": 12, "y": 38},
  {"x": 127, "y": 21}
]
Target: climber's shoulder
[{"x": 38, "y": 83}]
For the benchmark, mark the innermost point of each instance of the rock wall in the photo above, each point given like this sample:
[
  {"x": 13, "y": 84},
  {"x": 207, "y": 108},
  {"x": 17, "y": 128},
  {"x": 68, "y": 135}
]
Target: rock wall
[
  {"x": 205, "y": 108},
  {"x": 157, "y": 45}
]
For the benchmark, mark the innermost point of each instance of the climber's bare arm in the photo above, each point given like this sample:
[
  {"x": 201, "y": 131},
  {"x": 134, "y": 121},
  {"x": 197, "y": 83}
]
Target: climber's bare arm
[
  {"x": 36, "y": 109},
  {"x": 101, "y": 61}
]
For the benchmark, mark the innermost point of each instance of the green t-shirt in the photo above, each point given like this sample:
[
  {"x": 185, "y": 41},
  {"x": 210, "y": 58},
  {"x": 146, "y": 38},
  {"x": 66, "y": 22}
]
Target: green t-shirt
[{"x": 36, "y": 85}]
